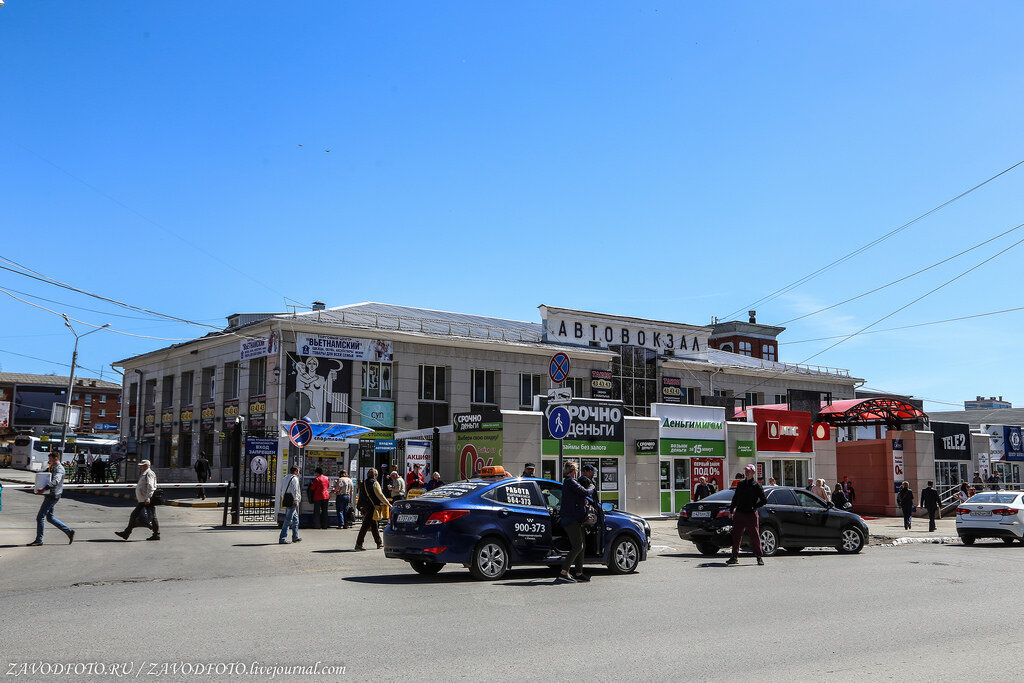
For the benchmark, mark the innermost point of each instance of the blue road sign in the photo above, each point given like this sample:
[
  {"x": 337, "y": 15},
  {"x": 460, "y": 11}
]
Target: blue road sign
[
  {"x": 558, "y": 368},
  {"x": 300, "y": 433},
  {"x": 559, "y": 422}
]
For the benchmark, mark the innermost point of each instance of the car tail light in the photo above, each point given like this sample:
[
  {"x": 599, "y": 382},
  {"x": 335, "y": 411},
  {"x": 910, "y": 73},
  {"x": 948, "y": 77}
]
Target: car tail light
[
  {"x": 445, "y": 516},
  {"x": 723, "y": 513},
  {"x": 963, "y": 511},
  {"x": 682, "y": 512},
  {"x": 1005, "y": 512},
  {"x": 436, "y": 551}
]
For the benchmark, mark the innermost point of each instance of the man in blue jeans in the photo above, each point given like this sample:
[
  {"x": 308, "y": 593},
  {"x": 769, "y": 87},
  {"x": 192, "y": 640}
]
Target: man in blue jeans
[
  {"x": 52, "y": 493},
  {"x": 291, "y": 513}
]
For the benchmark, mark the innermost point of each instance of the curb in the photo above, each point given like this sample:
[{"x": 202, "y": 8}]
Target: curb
[{"x": 943, "y": 540}]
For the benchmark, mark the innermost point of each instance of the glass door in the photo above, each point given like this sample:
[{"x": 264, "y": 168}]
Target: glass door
[{"x": 789, "y": 472}]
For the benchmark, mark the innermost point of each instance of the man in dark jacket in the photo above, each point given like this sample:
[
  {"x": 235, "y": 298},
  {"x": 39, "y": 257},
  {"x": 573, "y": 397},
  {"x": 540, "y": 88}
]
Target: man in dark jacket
[
  {"x": 931, "y": 503},
  {"x": 571, "y": 515},
  {"x": 202, "y": 472},
  {"x": 749, "y": 496}
]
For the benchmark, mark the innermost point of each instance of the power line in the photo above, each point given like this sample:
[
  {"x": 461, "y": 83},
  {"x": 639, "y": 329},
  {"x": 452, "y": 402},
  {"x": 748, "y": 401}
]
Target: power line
[
  {"x": 906, "y": 277},
  {"x": 891, "y": 233},
  {"x": 907, "y": 327}
]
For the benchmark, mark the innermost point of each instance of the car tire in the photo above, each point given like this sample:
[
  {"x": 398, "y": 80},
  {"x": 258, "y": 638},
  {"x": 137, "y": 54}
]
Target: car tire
[
  {"x": 1009, "y": 541},
  {"x": 625, "y": 555},
  {"x": 769, "y": 541},
  {"x": 707, "y": 548},
  {"x": 851, "y": 540},
  {"x": 967, "y": 540},
  {"x": 426, "y": 568},
  {"x": 490, "y": 559}
]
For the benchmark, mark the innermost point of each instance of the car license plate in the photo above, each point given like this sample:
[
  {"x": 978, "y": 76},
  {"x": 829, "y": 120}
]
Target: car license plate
[
  {"x": 981, "y": 513},
  {"x": 407, "y": 519},
  {"x": 701, "y": 513}
]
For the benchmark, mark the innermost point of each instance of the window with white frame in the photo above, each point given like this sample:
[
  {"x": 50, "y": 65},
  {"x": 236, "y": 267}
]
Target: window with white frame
[
  {"x": 188, "y": 380},
  {"x": 745, "y": 349},
  {"x": 768, "y": 351},
  {"x": 781, "y": 398},
  {"x": 258, "y": 376},
  {"x": 576, "y": 385},
  {"x": 377, "y": 379},
  {"x": 433, "y": 383},
  {"x": 529, "y": 386},
  {"x": 102, "y": 398},
  {"x": 230, "y": 381},
  {"x": 482, "y": 387}
]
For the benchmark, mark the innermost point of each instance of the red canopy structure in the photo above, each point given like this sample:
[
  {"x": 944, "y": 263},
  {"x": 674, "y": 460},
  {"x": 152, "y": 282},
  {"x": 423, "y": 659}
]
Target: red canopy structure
[{"x": 889, "y": 411}]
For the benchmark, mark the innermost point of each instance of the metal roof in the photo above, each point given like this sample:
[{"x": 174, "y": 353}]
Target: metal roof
[
  {"x": 55, "y": 381},
  {"x": 976, "y": 418},
  {"x": 738, "y": 360}
]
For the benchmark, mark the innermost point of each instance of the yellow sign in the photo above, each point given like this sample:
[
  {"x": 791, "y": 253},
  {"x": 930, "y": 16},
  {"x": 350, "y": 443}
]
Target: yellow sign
[
  {"x": 415, "y": 492},
  {"x": 44, "y": 437},
  {"x": 324, "y": 454}
]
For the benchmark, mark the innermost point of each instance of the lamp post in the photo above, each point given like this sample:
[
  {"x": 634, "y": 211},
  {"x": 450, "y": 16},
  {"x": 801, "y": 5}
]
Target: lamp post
[{"x": 71, "y": 380}]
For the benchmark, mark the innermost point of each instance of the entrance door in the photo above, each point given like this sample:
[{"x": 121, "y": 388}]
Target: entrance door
[
  {"x": 790, "y": 472},
  {"x": 1008, "y": 473},
  {"x": 675, "y": 484}
]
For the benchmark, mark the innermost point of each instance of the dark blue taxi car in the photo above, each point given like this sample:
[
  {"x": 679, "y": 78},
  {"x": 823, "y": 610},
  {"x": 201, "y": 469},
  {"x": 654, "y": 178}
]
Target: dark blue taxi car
[{"x": 497, "y": 522}]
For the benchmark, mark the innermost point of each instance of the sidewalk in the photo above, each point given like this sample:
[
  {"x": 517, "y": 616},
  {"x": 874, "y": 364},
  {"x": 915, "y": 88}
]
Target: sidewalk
[{"x": 214, "y": 500}]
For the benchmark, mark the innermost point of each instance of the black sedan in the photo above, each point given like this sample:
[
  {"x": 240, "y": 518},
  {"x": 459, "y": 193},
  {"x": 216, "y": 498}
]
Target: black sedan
[{"x": 793, "y": 519}]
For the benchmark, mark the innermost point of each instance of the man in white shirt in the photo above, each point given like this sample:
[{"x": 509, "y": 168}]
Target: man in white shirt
[
  {"x": 143, "y": 494},
  {"x": 291, "y": 512}
]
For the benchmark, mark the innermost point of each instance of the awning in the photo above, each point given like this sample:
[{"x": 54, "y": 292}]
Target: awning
[{"x": 889, "y": 411}]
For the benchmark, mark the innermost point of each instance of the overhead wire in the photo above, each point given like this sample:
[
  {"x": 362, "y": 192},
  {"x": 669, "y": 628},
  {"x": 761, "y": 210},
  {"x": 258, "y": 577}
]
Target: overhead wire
[{"x": 859, "y": 250}]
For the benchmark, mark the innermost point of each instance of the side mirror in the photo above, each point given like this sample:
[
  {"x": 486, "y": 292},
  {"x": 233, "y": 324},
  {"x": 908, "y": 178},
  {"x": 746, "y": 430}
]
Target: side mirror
[
  {"x": 829, "y": 504},
  {"x": 607, "y": 507}
]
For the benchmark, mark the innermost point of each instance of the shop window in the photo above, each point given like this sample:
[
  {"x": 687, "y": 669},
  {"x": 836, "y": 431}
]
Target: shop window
[
  {"x": 167, "y": 391},
  {"x": 188, "y": 380},
  {"x": 377, "y": 379},
  {"x": 745, "y": 349},
  {"x": 258, "y": 376},
  {"x": 529, "y": 386},
  {"x": 691, "y": 396},
  {"x": 433, "y": 383},
  {"x": 768, "y": 351},
  {"x": 208, "y": 390},
  {"x": 635, "y": 379},
  {"x": 230, "y": 381},
  {"x": 482, "y": 387}
]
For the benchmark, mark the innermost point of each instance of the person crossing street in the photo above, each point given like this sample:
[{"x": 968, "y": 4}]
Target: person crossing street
[
  {"x": 144, "y": 513},
  {"x": 52, "y": 493},
  {"x": 749, "y": 496}
]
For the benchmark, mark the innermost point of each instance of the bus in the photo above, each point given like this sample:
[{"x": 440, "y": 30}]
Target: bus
[{"x": 31, "y": 452}]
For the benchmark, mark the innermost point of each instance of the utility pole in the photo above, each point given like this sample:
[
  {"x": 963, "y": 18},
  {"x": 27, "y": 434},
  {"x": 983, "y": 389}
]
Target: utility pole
[{"x": 71, "y": 381}]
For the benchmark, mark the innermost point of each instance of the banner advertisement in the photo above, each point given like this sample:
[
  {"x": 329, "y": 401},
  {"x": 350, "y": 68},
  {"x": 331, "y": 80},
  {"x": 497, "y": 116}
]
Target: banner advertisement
[
  {"x": 230, "y": 410},
  {"x": 317, "y": 389},
  {"x": 257, "y": 412},
  {"x": 5, "y": 414},
  {"x": 671, "y": 390},
  {"x": 149, "y": 422},
  {"x": 646, "y": 446},
  {"x": 609, "y": 474},
  {"x": 258, "y": 347},
  {"x": 418, "y": 453},
  {"x": 782, "y": 431},
  {"x": 597, "y": 429},
  {"x": 897, "y": 461},
  {"x": 343, "y": 348},
  {"x": 166, "y": 421},
  {"x": 690, "y": 430},
  {"x": 952, "y": 440},
  {"x": 479, "y": 440},
  {"x": 1013, "y": 445},
  {"x": 996, "y": 440},
  {"x": 257, "y": 446},
  {"x": 601, "y": 384},
  {"x": 208, "y": 411},
  {"x": 710, "y": 469},
  {"x": 185, "y": 421},
  {"x": 377, "y": 414}
]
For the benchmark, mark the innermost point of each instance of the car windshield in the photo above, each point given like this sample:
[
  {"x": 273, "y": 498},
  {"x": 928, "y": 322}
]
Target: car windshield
[
  {"x": 1002, "y": 498},
  {"x": 720, "y": 497},
  {"x": 456, "y": 490}
]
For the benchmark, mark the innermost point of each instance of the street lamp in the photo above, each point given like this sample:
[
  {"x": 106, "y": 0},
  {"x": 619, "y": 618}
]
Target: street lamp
[{"x": 71, "y": 380}]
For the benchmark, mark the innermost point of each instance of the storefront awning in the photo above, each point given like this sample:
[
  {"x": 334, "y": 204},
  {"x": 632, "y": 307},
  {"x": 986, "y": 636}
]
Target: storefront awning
[{"x": 889, "y": 411}]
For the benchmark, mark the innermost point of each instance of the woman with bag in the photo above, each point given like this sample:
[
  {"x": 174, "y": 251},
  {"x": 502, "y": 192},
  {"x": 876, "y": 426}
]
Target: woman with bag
[
  {"x": 905, "y": 499},
  {"x": 374, "y": 506},
  {"x": 839, "y": 498}
]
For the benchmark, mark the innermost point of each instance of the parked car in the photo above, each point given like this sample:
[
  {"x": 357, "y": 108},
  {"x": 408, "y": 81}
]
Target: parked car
[
  {"x": 991, "y": 514},
  {"x": 496, "y": 522},
  {"x": 793, "y": 519}
]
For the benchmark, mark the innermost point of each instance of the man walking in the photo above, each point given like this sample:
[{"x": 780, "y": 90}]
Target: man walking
[
  {"x": 343, "y": 490},
  {"x": 144, "y": 513},
  {"x": 51, "y": 494},
  {"x": 319, "y": 490},
  {"x": 202, "y": 472},
  {"x": 749, "y": 496},
  {"x": 290, "y": 502},
  {"x": 931, "y": 503}
]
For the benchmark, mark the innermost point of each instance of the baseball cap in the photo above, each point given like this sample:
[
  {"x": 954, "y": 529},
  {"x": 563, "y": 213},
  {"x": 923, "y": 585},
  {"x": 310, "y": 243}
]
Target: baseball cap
[
  {"x": 144, "y": 462},
  {"x": 750, "y": 468},
  {"x": 589, "y": 468},
  {"x": 529, "y": 465}
]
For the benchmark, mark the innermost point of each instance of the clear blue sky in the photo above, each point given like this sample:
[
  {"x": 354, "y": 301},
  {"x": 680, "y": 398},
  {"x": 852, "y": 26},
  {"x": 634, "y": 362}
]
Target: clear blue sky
[{"x": 675, "y": 161}]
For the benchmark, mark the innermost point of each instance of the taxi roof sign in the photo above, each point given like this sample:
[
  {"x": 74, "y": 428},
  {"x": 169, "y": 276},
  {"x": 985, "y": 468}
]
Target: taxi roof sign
[{"x": 495, "y": 471}]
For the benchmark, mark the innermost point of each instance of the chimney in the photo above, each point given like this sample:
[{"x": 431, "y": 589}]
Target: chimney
[
  {"x": 1000, "y": 398},
  {"x": 753, "y": 316},
  {"x": 319, "y": 305}
]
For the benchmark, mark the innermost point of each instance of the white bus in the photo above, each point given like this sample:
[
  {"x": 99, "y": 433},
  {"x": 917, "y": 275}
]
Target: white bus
[{"x": 31, "y": 452}]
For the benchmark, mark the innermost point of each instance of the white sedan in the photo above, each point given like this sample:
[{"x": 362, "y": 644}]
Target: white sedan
[{"x": 991, "y": 514}]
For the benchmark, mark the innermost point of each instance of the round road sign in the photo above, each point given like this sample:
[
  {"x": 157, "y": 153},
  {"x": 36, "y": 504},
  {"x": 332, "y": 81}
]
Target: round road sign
[
  {"x": 559, "y": 422},
  {"x": 558, "y": 368},
  {"x": 258, "y": 464},
  {"x": 300, "y": 433}
]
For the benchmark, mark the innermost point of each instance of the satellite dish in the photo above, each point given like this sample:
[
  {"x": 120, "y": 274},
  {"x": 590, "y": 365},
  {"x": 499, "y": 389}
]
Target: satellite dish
[{"x": 296, "y": 405}]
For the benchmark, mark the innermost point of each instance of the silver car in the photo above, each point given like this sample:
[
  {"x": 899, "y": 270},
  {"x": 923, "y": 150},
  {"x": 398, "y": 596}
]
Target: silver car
[{"x": 991, "y": 514}]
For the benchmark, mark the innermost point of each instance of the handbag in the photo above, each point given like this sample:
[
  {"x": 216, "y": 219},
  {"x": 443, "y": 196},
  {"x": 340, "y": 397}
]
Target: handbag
[
  {"x": 382, "y": 511},
  {"x": 158, "y": 497},
  {"x": 288, "y": 499}
]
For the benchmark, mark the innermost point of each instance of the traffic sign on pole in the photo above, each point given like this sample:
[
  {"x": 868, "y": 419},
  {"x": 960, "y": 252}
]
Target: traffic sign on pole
[
  {"x": 300, "y": 433},
  {"x": 559, "y": 396},
  {"x": 559, "y": 422},
  {"x": 558, "y": 368}
]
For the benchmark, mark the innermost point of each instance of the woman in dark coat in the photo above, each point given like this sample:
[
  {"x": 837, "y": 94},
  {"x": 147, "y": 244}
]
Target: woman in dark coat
[
  {"x": 839, "y": 498},
  {"x": 905, "y": 499}
]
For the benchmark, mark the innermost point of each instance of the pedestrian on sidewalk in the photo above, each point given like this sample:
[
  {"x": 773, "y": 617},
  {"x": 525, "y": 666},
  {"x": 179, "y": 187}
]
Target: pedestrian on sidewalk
[
  {"x": 51, "y": 494},
  {"x": 572, "y": 514},
  {"x": 202, "y": 467},
  {"x": 931, "y": 503},
  {"x": 414, "y": 478},
  {"x": 963, "y": 494},
  {"x": 435, "y": 481},
  {"x": 749, "y": 496},
  {"x": 819, "y": 490},
  {"x": 290, "y": 498},
  {"x": 343, "y": 489},
  {"x": 396, "y": 487},
  {"x": 319, "y": 490},
  {"x": 839, "y": 498},
  {"x": 905, "y": 499},
  {"x": 144, "y": 513},
  {"x": 370, "y": 499}
]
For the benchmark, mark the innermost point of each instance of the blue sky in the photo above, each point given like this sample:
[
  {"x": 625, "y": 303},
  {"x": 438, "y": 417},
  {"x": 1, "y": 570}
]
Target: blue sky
[{"x": 674, "y": 161}]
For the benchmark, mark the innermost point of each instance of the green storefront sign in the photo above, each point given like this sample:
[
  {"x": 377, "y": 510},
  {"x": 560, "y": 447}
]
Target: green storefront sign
[
  {"x": 684, "y": 447},
  {"x": 744, "y": 449},
  {"x": 597, "y": 429},
  {"x": 479, "y": 441}
]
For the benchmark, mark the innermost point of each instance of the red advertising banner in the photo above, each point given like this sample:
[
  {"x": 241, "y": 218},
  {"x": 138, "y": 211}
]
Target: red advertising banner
[
  {"x": 784, "y": 431},
  {"x": 709, "y": 468}
]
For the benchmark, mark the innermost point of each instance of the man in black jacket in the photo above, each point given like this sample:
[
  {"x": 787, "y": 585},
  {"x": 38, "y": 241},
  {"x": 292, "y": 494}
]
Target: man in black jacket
[
  {"x": 930, "y": 501},
  {"x": 748, "y": 497},
  {"x": 202, "y": 472}
]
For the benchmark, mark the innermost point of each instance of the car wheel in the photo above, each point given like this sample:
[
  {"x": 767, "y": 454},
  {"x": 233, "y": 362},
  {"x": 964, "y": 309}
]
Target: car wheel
[
  {"x": 426, "y": 568},
  {"x": 625, "y": 555},
  {"x": 851, "y": 540},
  {"x": 793, "y": 549},
  {"x": 490, "y": 560},
  {"x": 967, "y": 540},
  {"x": 1009, "y": 541},
  {"x": 769, "y": 541},
  {"x": 707, "y": 548}
]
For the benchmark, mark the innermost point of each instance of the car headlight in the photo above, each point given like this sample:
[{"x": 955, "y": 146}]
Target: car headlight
[{"x": 643, "y": 526}]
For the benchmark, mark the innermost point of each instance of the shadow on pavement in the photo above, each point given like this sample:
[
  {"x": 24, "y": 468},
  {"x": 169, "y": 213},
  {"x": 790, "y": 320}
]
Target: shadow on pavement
[
  {"x": 253, "y": 545},
  {"x": 104, "y": 540},
  {"x": 336, "y": 550},
  {"x": 412, "y": 578}
]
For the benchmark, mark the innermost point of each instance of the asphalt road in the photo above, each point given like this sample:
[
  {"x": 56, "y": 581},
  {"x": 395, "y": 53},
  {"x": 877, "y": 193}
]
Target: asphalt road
[{"x": 204, "y": 595}]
